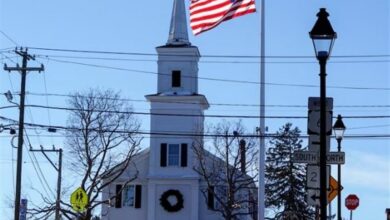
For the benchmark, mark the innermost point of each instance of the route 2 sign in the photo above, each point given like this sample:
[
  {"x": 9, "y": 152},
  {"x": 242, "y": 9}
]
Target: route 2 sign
[{"x": 313, "y": 177}]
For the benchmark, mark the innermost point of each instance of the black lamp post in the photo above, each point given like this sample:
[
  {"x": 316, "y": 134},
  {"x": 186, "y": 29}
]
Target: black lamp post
[
  {"x": 339, "y": 129},
  {"x": 323, "y": 37}
]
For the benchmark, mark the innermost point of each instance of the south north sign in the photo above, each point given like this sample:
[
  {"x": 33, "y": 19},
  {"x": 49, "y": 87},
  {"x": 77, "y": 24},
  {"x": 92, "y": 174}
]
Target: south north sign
[{"x": 311, "y": 157}]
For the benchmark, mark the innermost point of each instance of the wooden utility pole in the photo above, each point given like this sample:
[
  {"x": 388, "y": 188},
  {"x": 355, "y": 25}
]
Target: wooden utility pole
[
  {"x": 23, "y": 70},
  {"x": 59, "y": 170}
]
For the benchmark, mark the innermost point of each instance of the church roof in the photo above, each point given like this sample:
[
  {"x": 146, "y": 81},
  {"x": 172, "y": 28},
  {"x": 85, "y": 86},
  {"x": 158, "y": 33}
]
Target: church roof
[{"x": 178, "y": 34}]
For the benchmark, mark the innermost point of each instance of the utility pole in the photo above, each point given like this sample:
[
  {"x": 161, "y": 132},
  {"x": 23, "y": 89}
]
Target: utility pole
[
  {"x": 59, "y": 170},
  {"x": 23, "y": 70}
]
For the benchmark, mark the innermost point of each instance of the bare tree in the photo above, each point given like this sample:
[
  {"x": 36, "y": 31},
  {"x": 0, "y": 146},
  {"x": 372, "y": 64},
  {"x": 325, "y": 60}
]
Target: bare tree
[
  {"x": 101, "y": 138},
  {"x": 227, "y": 169}
]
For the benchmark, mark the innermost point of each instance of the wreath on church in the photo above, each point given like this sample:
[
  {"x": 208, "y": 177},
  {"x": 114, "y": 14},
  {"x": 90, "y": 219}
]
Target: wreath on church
[{"x": 167, "y": 205}]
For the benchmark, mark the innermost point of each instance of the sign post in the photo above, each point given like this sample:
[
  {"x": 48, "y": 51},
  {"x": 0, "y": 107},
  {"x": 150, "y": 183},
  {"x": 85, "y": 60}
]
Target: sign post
[
  {"x": 23, "y": 209},
  {"x": 351, "y": 202}
]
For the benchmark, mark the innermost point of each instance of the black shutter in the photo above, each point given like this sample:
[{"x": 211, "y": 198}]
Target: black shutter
[
  {"x": 163, "y": 155},
  {"x": 210, "y": 197},
  {"x": 118, "y": 196},
  {"x": 183, "y": 155},
  {"x": 138, "y": 196}
]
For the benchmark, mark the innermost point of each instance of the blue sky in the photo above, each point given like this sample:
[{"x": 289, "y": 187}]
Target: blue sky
[{"x": 358, "y": 75}]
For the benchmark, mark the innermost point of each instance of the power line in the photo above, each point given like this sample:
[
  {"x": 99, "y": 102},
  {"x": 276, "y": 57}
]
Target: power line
[
  {"x": 212, "y": 104},
  {"x": 214, "y": 79},
  {"x": 197, "y": 115},
  {"x": 372, "y": 126},
  {"x": 172, "y": 134},
  {"x": 202, "y": 61},
  {"x": 181, "y": 134},
  {"x": 38, "y": 170},
  {"x": 213, "y": 56},
  {"x": 9, "y": 38}
]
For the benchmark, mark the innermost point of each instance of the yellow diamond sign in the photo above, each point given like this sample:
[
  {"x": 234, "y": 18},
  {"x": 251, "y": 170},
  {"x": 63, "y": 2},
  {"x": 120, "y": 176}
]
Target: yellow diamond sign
[
  {"x": 79, "y": 200},
  {"x": 334, "y": 189}
]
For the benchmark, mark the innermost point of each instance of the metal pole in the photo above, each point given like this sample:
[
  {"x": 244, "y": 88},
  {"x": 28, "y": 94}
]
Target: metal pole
[
  {"x": 323, "y": 192},
  {"x": 59, "y": 170},
  {"x": 57, "y": 217},
  {"x": 350, "y": 216},
  {"x": 20, "y": 139},
  {"x": 339, "y": 182},
  {"x": 261, "y": 192},
  {"x": 23, "y": 70}
]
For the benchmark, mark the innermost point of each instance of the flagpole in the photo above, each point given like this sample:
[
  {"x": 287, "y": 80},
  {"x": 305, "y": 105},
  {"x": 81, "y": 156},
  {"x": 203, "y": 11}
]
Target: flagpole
[{"x": 261, "y": 191}]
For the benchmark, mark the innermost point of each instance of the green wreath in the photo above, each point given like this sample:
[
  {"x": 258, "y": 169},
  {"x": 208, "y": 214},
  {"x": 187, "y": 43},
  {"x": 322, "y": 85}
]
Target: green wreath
[{"x": 167, "y": 205}]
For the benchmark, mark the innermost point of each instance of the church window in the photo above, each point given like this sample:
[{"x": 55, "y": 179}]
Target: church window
[
  {"x": 173, "y": 155},
  {"x": 131, "y": 196},
  {"x": 128, "y": 195},
  {"x": 176, "y": 78}
]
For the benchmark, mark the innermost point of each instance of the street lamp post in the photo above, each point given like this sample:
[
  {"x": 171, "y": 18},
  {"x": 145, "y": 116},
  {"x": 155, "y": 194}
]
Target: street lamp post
[
  {"x": 323, "y": 37},
  {"x": 339, "y": 129}
]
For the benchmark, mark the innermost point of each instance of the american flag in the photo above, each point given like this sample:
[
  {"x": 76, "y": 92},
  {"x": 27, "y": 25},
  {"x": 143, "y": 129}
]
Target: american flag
[{"x": 207, "y": 14}]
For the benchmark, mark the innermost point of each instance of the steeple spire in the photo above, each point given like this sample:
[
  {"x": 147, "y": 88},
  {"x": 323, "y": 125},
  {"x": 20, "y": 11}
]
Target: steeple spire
[{"x": 178, "y": 34}]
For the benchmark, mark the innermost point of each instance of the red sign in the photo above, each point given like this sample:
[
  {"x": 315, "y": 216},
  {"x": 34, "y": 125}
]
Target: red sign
[{"x": 351, "y": 202}]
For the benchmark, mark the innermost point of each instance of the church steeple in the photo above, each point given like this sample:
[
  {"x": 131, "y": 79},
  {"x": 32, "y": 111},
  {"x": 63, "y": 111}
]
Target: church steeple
[{"x": 178, "y": 34}]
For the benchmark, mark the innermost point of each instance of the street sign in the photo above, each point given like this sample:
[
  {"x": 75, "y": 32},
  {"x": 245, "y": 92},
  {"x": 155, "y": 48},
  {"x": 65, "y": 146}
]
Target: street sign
[
  {"x": 313, "y": 122},
  {"x": 305, "y": 157},
  {"x": 313, "y": 177},
  {"x": 335, "y": 158},
  {"x": 311, "y": 157},
  {"x": 351, "y": 202},
  {"x": 79, "y": 200},
  {"x": 314, "y": 143},
  {"x": 313, "y": 197},
  {"x": 333, "y": 189},
  {"x": 23, "y": 209},
  {"x": 314, "y": 103}
]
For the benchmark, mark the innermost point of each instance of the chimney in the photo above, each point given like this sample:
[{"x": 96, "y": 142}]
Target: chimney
[{"x": 243, "y": 155}]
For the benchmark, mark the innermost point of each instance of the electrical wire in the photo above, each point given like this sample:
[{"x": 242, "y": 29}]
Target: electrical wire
[
  {"x": 214, "y": 79},
  {"x": 9, "y": 38},
  {"x": 35, "y": 163},
  {"x": 47, "y": 102},
  {"x": 208, "y": 56},
  {"x": 211, "y": 104},
  {"x": 37, "y": 169},
  {"x": 180, "y": 134},
  {"x": 200, "y": 115},
  {"x": 204, "y": 61}
]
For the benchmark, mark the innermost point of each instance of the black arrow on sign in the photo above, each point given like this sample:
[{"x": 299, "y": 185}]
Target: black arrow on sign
[{"x": 314, "y": 197}]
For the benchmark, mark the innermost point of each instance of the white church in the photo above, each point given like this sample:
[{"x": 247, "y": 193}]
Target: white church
[{"x": 166, "y": 186}]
